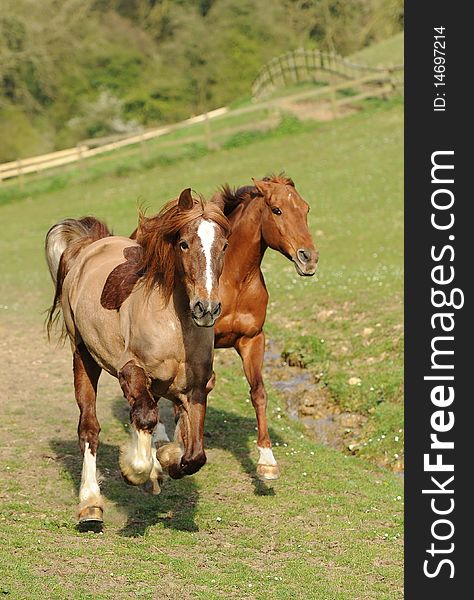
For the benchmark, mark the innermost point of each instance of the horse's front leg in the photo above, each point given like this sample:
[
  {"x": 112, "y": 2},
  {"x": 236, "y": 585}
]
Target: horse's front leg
[
  {"x": 160, "y": 437},
  {"x": 186, "y": 454},
  {"x": 138, "y": 455},
  {"x": 251, "y": 351},
  {"x": 86, "y": 376}
]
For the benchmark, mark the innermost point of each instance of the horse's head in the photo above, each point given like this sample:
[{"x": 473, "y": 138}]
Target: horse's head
[
  {"x": 285, "y": 223},
  {"x": 200, "y": 246},
  {"x": 186, "y": 242}
]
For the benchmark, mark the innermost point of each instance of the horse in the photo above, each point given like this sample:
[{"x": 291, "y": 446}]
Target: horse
[
  {"x": 269, "y": 214},
  {"x": 143, "y": 310}
]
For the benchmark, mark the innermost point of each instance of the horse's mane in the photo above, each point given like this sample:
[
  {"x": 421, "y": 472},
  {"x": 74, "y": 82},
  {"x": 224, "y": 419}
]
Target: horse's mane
[
  {"x": 281, "y": 178},
  {"x": 157, "y": 236},
  {"x": 231, "y": 198}
]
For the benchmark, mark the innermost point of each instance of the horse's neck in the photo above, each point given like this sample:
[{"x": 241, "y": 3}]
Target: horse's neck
[
  {"x": 247, "y": 246},
  {"x": 178, "y": 302}
]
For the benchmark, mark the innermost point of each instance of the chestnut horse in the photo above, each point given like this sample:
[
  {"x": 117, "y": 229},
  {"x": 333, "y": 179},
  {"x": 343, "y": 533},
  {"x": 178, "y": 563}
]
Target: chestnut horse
[
  {"x": 269, "y": 214},
  {"x": 144, "y": 312}
]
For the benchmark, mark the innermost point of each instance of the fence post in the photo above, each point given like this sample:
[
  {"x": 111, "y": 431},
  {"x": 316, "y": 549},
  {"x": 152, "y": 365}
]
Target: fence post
[
  {"x": 282, "y": 69},
  {"x": 21, "y": 176},
  {"x": 292, "y": 66},
  {"x": 80, "y": 157},
  {"x": 279, "y": 76},
  {"x": 391, "y": 79}
]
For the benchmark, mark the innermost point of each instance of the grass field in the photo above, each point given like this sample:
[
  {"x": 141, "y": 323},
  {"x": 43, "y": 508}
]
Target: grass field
[
  {"x": 331, "y": 527},
  {"x": 385, "y": 53}
]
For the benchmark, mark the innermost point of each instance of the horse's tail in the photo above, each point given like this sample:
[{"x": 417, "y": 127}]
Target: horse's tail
[{"x": 64, "y": 241}]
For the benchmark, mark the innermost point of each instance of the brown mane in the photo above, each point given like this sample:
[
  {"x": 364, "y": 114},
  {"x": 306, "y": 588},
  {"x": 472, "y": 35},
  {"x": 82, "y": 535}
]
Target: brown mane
[
  {"x": 231, "y": 198},
  {"x": 281, "y": 178},
  {"x": 157, "y": 236}
]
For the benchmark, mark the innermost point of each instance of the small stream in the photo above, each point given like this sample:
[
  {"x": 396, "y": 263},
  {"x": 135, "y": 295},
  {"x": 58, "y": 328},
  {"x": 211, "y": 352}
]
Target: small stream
[{"x": 308, "y": 402}]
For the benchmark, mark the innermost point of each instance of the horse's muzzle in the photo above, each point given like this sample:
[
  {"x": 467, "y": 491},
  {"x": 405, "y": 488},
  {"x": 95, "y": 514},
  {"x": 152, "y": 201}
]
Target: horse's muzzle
[
  {"x": 306, "y": 260},
  {"x": 205, "y": 313}
]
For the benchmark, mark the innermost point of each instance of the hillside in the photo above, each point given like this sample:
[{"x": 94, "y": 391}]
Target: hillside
[
  {"x": 331, "y": 527},
  {"x": 383, "y": 53},
  {"x": 77, "y": 69}
]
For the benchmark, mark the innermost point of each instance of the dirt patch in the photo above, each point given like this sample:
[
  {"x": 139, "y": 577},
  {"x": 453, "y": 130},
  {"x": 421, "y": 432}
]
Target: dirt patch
[
  {"x": 309, "y": 402},
  {"x": 316, "y": 110}
]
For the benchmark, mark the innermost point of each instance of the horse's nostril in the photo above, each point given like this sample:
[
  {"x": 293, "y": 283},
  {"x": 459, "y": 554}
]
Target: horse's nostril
[
  {"x": 198, "y": 309},
  {"x": 304, "y": 255},
  {"x": 216, "y": 311}
]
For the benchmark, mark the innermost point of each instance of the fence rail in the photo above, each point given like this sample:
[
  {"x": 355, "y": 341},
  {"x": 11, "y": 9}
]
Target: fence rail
[
  {"x": 20, "y": 167},
  {"x": 303, "y": 65},
  {"x": 297, "y": 66}
]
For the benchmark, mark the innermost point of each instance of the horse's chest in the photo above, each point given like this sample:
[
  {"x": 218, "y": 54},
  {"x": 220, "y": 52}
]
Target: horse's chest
[
  {"x": 175, "y": 363},
  {"x": 243, "y": 314}
]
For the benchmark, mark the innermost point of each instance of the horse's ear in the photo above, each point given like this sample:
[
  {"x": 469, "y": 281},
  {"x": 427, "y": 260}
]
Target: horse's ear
[
  {"x": 219, "y": 200},
  {"x": 186, "y": 201},
  {"x": 263, "y": 187}
]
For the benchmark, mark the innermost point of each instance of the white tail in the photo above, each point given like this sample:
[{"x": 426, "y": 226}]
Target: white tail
[{"x": 66, "y": 231}]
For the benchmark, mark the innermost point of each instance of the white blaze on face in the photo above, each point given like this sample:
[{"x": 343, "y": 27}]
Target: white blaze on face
[{"x": 206, "y": 232}]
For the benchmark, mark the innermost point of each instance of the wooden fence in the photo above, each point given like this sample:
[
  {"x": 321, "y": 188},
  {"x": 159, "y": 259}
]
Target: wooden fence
[
  {"x": 20, "y": 167},
  {"x": 304, "y": 65},
  {"x": 300, "y": 65}
]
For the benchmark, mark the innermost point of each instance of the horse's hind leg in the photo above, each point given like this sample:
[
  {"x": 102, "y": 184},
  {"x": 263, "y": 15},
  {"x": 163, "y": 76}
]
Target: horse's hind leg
[
  {"x": 86, "y": 376},
  {"x": 251, "y": 351},
  {"x": 138, "y": 457}
]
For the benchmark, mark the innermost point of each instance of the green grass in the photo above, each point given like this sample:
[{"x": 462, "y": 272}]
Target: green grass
[
  {"x": 163, "y": 151},
  {"x": 384, "y": 53},
  {"x": 331, "y": 527}
]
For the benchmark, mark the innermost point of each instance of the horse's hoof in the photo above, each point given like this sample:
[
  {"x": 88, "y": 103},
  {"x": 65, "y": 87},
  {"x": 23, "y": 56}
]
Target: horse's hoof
[
  {"x": 91, "y": 518},
  {"x": 152, "y": 486},
  {"x": 169, "y": 454},
  {"x": 134, "y": 474},
  {"x": 268, "y": 472}
]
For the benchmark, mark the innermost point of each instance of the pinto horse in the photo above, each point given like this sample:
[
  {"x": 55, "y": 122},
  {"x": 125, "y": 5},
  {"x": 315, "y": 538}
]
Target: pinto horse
[
  {"x": 269, "y": 214},
  {"x": 144, "y": 312}
]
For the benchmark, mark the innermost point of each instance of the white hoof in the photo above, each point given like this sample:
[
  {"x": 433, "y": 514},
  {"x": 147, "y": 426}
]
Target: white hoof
[
  {"x": 136, "y": 458},
  {"x": 90, "y": 515},
  {"x": 153, "y": 485},
  {"x": 268, "y": 472},
  {"x": 267, "y": 467}
]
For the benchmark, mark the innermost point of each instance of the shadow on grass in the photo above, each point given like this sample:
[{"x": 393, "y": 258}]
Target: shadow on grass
[
  {"x": 236, "y": 434},
  {"x": 175, "y": 507},
  {"x": 226, "y": 431}
]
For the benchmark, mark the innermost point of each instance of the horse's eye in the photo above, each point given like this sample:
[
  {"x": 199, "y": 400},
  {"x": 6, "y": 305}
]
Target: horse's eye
[
  {"x": 225, "y": 247},
  {"x": 276, "y": 210},
  {"x": 184, "y": 245}
]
